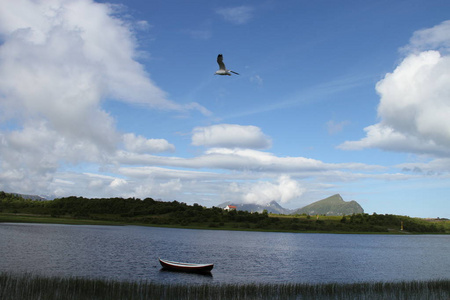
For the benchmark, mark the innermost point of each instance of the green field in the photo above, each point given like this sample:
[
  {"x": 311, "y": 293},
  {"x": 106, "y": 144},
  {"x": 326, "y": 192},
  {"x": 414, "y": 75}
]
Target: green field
[
  {"x": 27, "y": 218},
  {"x": 31, "y": 287}
]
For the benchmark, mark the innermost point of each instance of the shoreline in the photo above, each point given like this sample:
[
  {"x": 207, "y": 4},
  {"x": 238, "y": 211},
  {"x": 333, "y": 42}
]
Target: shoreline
[{"x": 39, "y": 219}]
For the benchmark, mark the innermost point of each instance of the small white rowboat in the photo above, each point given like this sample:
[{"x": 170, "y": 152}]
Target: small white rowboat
[{"x": 185, "y": 267}]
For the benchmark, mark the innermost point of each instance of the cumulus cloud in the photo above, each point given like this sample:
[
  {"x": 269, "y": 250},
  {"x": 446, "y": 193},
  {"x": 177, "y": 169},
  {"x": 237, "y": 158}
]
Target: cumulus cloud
[
  {"x": 140, "y": 144},
  {"x": 414, "y": 100},
  {"x": 237, "y": 15},
  {"x": 283, "y": 190},
  {"x": 118, "y": 183},
  {"x": 62, "y": 41},
  {"x": 230, "y": 136}
]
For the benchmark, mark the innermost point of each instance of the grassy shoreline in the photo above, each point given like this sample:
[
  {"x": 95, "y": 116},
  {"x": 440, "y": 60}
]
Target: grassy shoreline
[
  {"x": 31, "y": 218},
  {"x": 43, "y": 219},
  {"x": 29, "y": 286}
]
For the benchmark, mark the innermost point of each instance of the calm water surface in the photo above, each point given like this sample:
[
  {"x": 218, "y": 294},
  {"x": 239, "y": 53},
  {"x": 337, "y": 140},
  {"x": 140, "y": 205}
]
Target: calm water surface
[{"x": 131, "y": 253}]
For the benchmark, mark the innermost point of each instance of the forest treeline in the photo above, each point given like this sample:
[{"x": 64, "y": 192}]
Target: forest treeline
[{"x": 162, "y": 213}]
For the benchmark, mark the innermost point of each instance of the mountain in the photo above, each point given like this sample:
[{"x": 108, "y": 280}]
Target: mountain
[
  {"x": 331, "y": 206},
  {"x": 272, "y": 207},
  {"x": 30, "y": 197}
]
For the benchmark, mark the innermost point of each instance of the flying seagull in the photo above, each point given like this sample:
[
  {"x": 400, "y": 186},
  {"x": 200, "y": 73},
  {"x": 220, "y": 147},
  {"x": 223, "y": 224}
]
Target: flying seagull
[{"x": 222, "y": 70}]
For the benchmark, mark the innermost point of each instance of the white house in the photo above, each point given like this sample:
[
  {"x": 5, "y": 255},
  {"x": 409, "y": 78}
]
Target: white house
[{"x": 230, "y": 207}]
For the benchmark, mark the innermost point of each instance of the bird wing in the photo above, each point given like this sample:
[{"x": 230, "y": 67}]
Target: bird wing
[
  {"x": 234, "y": 72},
  {"x": 220, "y": 62}
]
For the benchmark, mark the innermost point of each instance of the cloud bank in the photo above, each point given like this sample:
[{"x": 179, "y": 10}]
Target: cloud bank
[{"x": 59, "y": 61}]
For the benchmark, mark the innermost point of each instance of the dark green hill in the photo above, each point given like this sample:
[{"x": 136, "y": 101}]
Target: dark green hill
[{"x": 331, "y": 206}]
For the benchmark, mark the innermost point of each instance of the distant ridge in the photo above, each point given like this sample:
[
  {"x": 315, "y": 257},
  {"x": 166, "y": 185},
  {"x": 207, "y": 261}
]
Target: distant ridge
[
  {"x": 272, "y": 207},
  {"x": 331, "y": 206}
]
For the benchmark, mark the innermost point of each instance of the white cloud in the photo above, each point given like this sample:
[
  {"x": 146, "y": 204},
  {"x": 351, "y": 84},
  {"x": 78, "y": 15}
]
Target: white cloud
[
  {"x": 241, "y": 160},
  {"x": 414, "y": 105},
  {"x": 230, "y": 136},
  {"x": 214, "y": 186},
  {"x": 171, "y": 185},
  {"x": 387, "y": 138},
  {"x": 89, "y": 185},
  {"x": 263, "y": 192},
  {"x": 56, "y": 42},
  {"x": 30, "y": 157},
  {"x": 140, "y": 144},
  {"x": 253, "y": 187},
  {"x": 437, "y": 38},
  {"x": 237, "y": 15},
  {"x": 118, "y": 183},
  {"x": 71, "y": 55}
]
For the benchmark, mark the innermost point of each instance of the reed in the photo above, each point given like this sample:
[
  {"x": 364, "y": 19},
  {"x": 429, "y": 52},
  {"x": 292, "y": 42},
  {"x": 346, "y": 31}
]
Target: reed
[{"x": 29, "y": 286}]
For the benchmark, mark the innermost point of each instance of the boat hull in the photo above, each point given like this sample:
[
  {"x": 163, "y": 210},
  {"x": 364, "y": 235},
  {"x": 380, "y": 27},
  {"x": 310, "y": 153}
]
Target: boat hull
[{"x": 185, "y": 267}]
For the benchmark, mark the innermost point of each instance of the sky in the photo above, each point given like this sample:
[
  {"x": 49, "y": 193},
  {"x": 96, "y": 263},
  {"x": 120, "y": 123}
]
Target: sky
[{"x": 119, "y": 99}]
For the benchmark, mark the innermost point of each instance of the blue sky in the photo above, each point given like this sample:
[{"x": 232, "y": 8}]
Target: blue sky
[{"x": 119, "y": 98}]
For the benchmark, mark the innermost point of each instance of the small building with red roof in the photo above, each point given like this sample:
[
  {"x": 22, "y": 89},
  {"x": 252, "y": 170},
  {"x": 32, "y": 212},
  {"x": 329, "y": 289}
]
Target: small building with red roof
[{"x": 230, "y": 207}]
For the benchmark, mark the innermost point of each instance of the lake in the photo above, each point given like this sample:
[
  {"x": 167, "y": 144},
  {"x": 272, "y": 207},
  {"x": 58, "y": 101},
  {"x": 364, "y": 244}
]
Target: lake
[{"x": 132, "y": 252}]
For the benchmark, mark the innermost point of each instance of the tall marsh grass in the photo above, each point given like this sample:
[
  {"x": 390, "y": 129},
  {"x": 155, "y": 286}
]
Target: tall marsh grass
[{"x": 32, "y": 287}]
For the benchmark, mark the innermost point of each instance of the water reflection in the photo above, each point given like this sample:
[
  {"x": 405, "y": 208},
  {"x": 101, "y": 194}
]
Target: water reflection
[{"x": 194, "y": 274}]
